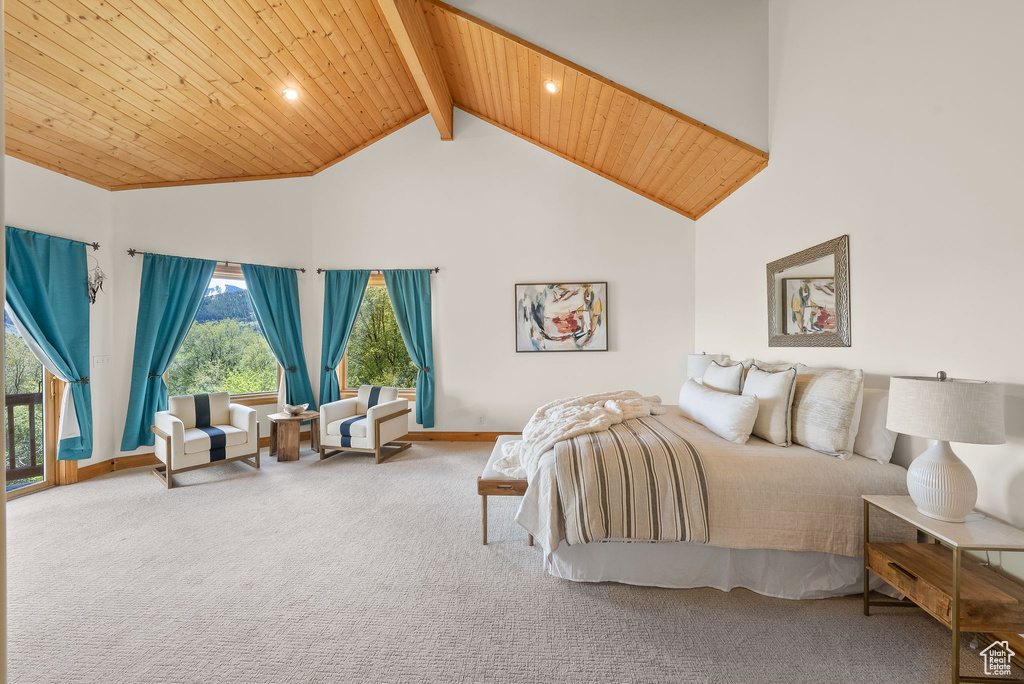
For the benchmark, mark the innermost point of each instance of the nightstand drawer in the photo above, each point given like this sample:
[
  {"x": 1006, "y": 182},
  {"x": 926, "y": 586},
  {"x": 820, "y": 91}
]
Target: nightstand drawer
[
  {"x": 924, "y": 572},
  {"x": 886, "y": 564}
]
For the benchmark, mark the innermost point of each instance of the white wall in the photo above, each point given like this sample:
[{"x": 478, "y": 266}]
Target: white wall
[
  {"x": 703, "y": 58},
  {"x": 263, "y": 222},
  {"x": 492, "y": 210},
  {"x": 47, "y": 202},
  {"x": 898, "y": 124}
]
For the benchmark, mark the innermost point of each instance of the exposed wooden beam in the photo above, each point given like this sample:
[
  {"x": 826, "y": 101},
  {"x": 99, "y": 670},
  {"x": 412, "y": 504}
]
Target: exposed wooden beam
[{"x": 412, "y": 36}]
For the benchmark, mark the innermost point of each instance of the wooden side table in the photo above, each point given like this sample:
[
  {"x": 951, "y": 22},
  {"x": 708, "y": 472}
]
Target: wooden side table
[
  {"x": 284, "y": 433},
  {"x": 956, "y": 590}
]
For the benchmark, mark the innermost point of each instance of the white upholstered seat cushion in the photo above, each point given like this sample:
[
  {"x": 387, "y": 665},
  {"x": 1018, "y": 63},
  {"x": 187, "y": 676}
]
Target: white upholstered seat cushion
[
  {"x": 356, "y": 426},
  {"x": 489, "y": 472},
  {"x": 198, "y": 440}
]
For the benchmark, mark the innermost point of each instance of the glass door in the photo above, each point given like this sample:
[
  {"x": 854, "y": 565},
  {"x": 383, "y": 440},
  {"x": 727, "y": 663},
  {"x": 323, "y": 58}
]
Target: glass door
[{"x": 27, "y": 386}]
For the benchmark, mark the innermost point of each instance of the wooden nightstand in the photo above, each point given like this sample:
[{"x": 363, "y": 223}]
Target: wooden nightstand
[{"x": 956, "y": 590}]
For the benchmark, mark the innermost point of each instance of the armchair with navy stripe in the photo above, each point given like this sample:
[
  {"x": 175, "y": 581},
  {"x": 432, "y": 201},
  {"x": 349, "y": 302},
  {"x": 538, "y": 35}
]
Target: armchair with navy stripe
[
  {"x": 200, "y": 430},
  {"x": 367, "y": 422}
]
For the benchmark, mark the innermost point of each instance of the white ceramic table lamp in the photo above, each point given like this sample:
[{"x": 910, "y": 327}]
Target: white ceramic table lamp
[
  {"x": 946, "y": 410},
  {"x": 696, "y": 364}
]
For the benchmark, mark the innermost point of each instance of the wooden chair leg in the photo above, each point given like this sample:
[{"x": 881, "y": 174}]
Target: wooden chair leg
[
  {"x": 483, "y": 508},
  {"x": 167, "y": 476},
  {"x": 531, "y": 540}
]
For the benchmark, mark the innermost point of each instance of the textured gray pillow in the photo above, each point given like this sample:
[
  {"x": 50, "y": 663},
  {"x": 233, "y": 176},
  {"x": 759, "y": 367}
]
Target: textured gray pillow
[
  {"x": 774, "y": 391},
  {"x": 826, "y": 409}
]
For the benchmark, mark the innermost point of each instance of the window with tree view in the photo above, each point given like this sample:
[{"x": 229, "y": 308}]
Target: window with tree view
[
  {"x": 224, "y": 350},
  {"x": 376, "y": 353},
  {"x": 23, "y": 385}
]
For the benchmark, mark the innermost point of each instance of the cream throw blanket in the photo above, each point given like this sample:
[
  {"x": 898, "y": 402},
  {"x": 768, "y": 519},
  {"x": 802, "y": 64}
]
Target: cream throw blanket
[{"x": 567, "y": 418}]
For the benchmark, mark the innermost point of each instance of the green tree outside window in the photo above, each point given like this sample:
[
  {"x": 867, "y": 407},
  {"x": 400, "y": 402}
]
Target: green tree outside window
[
  {"x": 224, "y": 350},
  {"x": 376, "y": 353}
]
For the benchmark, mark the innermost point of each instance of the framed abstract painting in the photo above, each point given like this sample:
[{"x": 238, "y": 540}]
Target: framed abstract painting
[
  {"x": 561, "y": 317},
  {"x": 810, "y": 305}
]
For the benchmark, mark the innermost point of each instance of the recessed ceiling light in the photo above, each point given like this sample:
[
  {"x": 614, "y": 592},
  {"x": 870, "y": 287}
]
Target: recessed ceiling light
[
  {"x": 551, "y": 87},
  {"x": 290, "y": 94}
]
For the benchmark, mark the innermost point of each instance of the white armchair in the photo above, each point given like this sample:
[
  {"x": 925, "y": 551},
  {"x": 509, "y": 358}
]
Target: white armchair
[
  {"x": 367, "y": 423},
  {"x": 201, "y": 430}
]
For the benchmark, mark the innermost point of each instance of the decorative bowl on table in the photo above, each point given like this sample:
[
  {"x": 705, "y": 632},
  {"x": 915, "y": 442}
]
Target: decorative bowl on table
[{"x": 295, "y": 410}]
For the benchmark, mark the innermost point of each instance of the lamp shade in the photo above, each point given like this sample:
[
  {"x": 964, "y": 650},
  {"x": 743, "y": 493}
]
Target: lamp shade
[
  {"x": 696, "y": 364},
  {"x": 968, "y": 411}
]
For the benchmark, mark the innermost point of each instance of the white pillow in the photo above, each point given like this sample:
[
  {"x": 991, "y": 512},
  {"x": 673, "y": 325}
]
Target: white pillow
[
  {"x": 874, "y": 440},
  {"x": 723, "y": 378},
  {"x": 774, "y": 392},
  {"x": 729, "y": 416},
  {"x": 744, "y": 363},
  {"x": 826, "y": 409}
]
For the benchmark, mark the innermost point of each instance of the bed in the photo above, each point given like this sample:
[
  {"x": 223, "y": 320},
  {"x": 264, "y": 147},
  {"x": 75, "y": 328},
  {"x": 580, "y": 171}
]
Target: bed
[{"x": 784, "y": 522}]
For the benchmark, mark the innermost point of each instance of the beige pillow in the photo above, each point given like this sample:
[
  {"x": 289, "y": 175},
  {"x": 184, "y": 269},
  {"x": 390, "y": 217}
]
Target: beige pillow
[
  {"x": 826, "y": 409},
  {"x": 774, "y": 392},
  {"x": 723, "y": 378},
  {"x": 774, "y": 367}
]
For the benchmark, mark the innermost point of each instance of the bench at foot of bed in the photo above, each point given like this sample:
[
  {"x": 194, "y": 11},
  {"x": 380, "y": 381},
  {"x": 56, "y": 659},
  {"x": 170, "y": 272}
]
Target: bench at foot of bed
[{"x": 493, "y": 483}]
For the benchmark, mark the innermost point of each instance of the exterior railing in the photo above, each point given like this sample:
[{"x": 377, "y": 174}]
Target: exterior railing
[{"x": 21, "y": 468}]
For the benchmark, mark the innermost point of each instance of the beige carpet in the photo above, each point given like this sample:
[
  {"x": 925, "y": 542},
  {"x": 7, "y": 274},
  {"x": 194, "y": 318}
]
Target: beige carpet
[{"x": 345, "y": 571}]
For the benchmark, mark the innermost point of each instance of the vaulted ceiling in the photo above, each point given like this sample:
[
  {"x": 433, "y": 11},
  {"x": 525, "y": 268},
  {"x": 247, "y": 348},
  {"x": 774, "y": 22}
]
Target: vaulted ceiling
[{"x": 144, "y": 93}]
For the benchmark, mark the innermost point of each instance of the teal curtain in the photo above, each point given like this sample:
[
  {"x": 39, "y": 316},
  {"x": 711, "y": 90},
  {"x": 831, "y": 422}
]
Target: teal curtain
[
  {"x": 343, "y": 295},
  {"x": 172, "y": 290},
  {"x": 47, "y": 290},
  {"x": 410, "y": 297},
  {"x": 275, "y": 299}
]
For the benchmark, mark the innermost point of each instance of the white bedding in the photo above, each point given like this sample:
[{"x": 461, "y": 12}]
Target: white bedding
[
  {"x": 782, "y": 574},
  {"x": 564, "y": 418},
  {"x": 760, "y": 497}
]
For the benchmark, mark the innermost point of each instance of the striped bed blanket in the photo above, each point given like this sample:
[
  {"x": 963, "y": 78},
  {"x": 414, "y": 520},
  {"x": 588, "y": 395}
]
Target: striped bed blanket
[{"x": 638, "y": 481}]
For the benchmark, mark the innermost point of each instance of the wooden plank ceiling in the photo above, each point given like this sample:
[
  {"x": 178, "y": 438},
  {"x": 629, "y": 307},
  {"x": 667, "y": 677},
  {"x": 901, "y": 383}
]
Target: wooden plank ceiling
[{"x": 144, "y": 93}]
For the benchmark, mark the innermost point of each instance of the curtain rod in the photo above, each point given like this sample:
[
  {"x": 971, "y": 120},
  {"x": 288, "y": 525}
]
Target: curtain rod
[
  {"x": 436, "y": 269},
  {"x": 94, "y": 245},
  {"x": 133, "y": 252}
]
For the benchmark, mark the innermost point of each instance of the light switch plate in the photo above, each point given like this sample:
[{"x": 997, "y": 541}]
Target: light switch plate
[{"x": 98, "y": 361}]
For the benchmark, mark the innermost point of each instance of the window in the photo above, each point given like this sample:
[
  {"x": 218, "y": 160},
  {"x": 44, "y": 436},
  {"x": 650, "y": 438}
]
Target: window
[
  {"x": 376, "y": 353},
  {"x": 224, "y": 350},
  {"x": 23, "y": 385}
]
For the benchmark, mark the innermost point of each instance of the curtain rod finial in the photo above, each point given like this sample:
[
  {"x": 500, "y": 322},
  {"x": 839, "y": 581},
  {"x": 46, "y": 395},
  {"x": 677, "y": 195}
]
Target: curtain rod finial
[
  {"x": 132, "y": 252},
  {"x": 94, "y": 245}
]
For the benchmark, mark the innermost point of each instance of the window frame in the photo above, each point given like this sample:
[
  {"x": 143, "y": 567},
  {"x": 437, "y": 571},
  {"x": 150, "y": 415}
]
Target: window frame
[
  {"x": 234, "y": 272},
  {"x": 376, "y": 280},
  {"x": 53, "y": 392}
]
